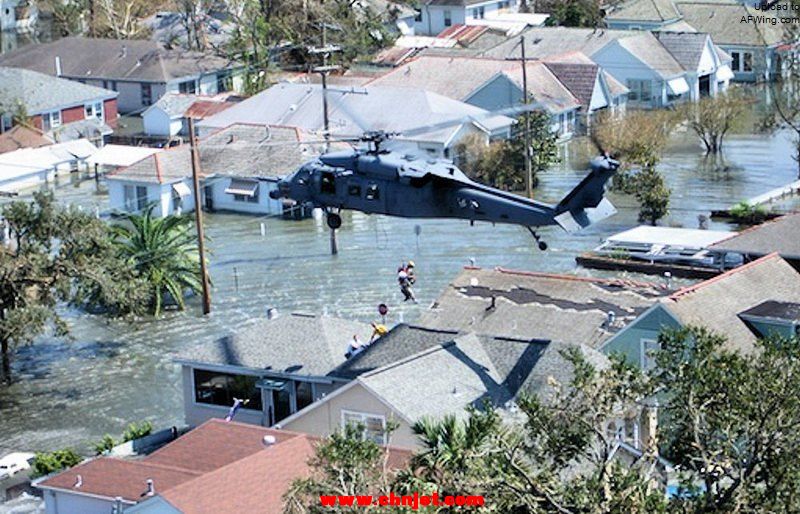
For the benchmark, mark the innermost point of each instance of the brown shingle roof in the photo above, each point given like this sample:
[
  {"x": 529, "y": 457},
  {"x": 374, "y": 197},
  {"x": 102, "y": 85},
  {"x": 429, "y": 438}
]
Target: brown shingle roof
[
  {"x": 22, "y": 137},
  {"x": 579, "y": 79}
]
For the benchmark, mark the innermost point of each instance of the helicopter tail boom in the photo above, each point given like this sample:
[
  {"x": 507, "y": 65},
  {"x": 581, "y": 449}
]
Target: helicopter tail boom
[{"x": 586, "y": 203}]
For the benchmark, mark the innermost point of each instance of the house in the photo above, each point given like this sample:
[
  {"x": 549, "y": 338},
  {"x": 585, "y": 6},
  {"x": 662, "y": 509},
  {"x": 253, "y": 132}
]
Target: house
[
  {"x": 217, "y": 467},
  {"x": 780, "y": 235},
  {"x": 34, "y": 167},
  {"x": 708, "y": 67},
  {"x": 435, "y": 16},
  {"x": 17, "y": 14},
  {"x": 469, "y": 370},
  {"x": 140, "y": 71},
  {"x": 170, "y": 115},
  {"x": 62, "y": 109},
  {"x": 21, "y": 136},
  {"x": 281, "y": 365},
  {"x": 239, "y": 166},
  {"x": 494, "y": 84},
  {"x": 744, "y": 304},
  {"x": 755, "y": 39},
  {"x": 354, "y": 111},
  {"x": 531, "y": 304}
]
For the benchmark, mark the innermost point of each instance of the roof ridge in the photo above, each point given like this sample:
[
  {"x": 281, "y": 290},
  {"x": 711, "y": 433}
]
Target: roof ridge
[
  {"x": 759, "y": 226},
  {"x": 677, "y": 295},
  {"x": 564, "y": 276},
  {"x": 396, "y": 364}
]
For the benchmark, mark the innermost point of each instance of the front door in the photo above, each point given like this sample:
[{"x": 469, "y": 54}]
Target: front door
[{"x": 705, "y": 85}]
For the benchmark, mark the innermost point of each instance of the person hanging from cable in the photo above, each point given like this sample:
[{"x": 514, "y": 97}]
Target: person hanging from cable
[
  {"x": 411, "y": 272},
  {"x": 405, "y": 284}
]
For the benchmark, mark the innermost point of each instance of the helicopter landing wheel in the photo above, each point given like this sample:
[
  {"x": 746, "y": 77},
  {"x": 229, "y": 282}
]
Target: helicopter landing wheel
[
  {"x": 542, "y": 246},
  {"x": 334, "y": 220}
]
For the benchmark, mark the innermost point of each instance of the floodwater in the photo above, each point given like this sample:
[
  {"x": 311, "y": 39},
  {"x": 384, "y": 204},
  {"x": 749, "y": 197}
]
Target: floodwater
[{"x": 71, "y": 392}]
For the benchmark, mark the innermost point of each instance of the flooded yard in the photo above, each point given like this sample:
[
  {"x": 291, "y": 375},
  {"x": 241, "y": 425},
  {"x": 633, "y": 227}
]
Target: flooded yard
[{"x": 71, "y": 392}]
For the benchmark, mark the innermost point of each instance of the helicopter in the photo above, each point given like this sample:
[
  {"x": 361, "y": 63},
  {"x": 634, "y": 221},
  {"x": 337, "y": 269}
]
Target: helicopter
[{"x": 381, "y": 181}]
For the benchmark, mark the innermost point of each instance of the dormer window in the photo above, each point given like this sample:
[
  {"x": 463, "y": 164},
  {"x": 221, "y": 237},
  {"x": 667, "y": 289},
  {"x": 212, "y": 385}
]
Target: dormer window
[{"x": 773, "y": 318}]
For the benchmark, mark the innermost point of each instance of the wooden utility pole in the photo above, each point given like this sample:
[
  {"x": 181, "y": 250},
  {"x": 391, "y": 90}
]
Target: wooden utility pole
[
  {"x": 525, "y": 100},
  {"x": 323, "y": 70},
  {"x": 198, "y": 218}
]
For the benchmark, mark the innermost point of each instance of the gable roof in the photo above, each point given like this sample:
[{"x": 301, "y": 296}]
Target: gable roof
[
  {"x": 646, "y": 47},
  {"x": 472, "y": 369},
  {"x": 217, "y": 467},
  {"x": 722, "y": 20},
  {"x": 541, "y": 305},
  {"x": 646, "y": 10},
  {"x": 353, "y": 111},
  {"x": 240, "y": 150},
  {"x": 780, "y": 235},
  {"x": 98, "y": 58},
  {"x": 686, "y": 47},
  {"x": 178, "y": 105},
  {"x": 579, "y": 78},
  {"x": 545, "y": 88},
  {"x": 40, "y": 93},
  {"x": 298, "y": 344},
  {"x": 716, "y": 303},
  {"x": 20, "y": 136},
  {"x": 615, "y": 87},
  {"x": 543, "y": 42},
  {"x": 402, "y": 341}
]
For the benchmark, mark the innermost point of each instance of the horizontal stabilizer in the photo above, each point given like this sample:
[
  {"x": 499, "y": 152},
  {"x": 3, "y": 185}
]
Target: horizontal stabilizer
[{"x": 572, "y": 221}]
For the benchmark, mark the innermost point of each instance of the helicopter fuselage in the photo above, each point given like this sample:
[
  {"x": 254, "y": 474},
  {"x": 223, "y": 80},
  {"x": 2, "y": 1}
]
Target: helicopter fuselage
[{"x": 407, "y": 186}]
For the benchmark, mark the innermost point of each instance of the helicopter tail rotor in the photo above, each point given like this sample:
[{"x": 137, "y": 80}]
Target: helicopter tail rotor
[{"x": 586, "y": 203}]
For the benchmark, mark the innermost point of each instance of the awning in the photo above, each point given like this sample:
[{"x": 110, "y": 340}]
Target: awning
[
  {"x": 242, "y": 187},
  {"x": 678, "y": 86},
  {"x": 182, "y": 189},
  {"x": 724, "y": 72}
]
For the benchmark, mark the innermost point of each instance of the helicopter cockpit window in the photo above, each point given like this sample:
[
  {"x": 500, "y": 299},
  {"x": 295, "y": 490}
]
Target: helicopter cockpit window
[
  {"x": 354, "y": 190},
  {"x": 328, "y": 184},
  {"x": 373, "y": 193}
]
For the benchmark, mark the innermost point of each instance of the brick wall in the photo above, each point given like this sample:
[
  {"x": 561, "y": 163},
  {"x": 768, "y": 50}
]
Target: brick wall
[
  {"x": 72, "y": 114},
  {"x": 36, "y": 121},
  {"x": 110, "y": 112}
]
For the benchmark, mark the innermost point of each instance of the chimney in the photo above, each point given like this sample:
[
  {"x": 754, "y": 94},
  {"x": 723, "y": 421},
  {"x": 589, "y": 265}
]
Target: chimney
[
  {"x": 58, "y": 66},
  {"x": 269, "y": 440},
  {"x": 151, "y": 488},
  {"x": 78, "y": 482},
  {"x": 610, "y": 318}
]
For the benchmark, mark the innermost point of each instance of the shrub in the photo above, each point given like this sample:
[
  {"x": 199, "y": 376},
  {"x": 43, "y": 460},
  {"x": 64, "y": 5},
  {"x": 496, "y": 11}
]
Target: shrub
[
  {"x": 46, "y": 463},
  {"x": 104, "y": 445},
  {"x": 137, "y": 430},
  {"x": 748, "y": 214}
]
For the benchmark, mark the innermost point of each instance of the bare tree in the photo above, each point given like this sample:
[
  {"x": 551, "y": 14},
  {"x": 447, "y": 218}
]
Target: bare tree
[{"x": 712, "y": 118}]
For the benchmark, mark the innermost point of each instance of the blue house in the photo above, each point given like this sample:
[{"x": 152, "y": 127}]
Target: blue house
[{"x": 759, "y": 299}]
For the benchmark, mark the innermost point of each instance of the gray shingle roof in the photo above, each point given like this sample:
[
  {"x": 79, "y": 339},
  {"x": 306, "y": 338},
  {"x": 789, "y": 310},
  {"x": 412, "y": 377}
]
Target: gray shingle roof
[
  {"x": 471, "y": 369},
  {"x": 353, "y": 111},
  {"x": 722, "y": 20},
  {"x": 780, "y": 235},
  {"x": 298, "y": 344},
  {"x": 42, "y": 93},
  {"x": 401, "y": 342},
  {"x": 647, "y": 48},
  {"x": 771, "y": 309},
  {"x": 686, "y": 48},
  {"x": 717, "y": 303},
  {"x": 174, "y": 104},
  {"x": 236, "y": 151},
  {"x": 135, "y": 60},
  {"x": 539, "y": 305},
  {"x": 544, "y": 42},
  {"x": 646, "y": 10}
]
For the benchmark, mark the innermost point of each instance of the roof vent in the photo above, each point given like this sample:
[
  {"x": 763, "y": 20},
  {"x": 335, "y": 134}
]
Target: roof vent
[
  {"x": 272, "y": 313},
  {"x": 610, "y": 318},
  {"x": 124, "y": 52},
  {"x": 58, "y": 66},
  {"x": 78, "y": 482},
  {"x": 269, "y": 440},
  {"x": 151, "y": 488},
  {"x": 668, "y": 279}
]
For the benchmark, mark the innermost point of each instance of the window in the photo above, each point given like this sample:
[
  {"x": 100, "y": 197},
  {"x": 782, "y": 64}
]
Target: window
[
  {"x": 648, "y": 348},
  {"x": 374, "y": 425},
  {"x": 51, "y": 120},
  {"x": 147, "y": 94},
  {"x": 304, "y": 394},
  {"x": 448, "y": 18},
  {"x": 737, "y": 59},
  {"x": 478, "y": 13},
  {"x": 6, "y": 122},
  {"x": 502, "y": 5},
  {"x": 224, "y": 81},
  {"x": 94, "y": 110},
  {"x": 747, "y": 62},
  {"x": 215, "y": 388},
  {"x": 354, "y": 190},
  {"x": 281, "y": 406},
  {"x": 135, "y": 198},
  {"x": 640, "y": 90},
  {"x": 188, "y": 87},
  {"x": 246, "y": 198},
  {"x": 373, "y": 193},
  {"x": 113, "y": 85},
  {"x": 328, "y": 183},
  {"x": 417, "y": 15}
]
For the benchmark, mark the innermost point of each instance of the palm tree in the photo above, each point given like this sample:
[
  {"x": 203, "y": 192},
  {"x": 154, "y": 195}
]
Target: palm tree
[{"x": 163, "y": 251}]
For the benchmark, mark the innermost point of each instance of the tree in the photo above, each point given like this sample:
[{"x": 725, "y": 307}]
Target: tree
[
  {"x": 501, "y": 164},
  {"x": 712, "y": 118},
  {"x": 652, "y": 194},
  {"x": 344, "y": 464},
  {"x": 732, "y": 420},
  {"x": 59, "y": 460},
  {"x": 57, "y": 255},
  {"x": 163, "y": 251},
  {"x": 574, "y": 13},
  {"x": 638, "y": 138}
]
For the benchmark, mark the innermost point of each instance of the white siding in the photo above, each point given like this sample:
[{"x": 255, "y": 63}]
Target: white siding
[
  {"x": 225, "y": 201},
  {"x": 160, "y": 194},
  {"x": 623, "y": 66},
  {"x": 158, "y": 123},
  {"x": 57, "y": 502}
]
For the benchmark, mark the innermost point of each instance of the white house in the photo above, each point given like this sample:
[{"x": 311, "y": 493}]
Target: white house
[
  {"x": 169, "y": 116},
  {"x": 239, "y": 167},
  {"x": 32, "y": 167},
  {"x": 434, "y": 16},
  {"x": 707, "y": 66}
]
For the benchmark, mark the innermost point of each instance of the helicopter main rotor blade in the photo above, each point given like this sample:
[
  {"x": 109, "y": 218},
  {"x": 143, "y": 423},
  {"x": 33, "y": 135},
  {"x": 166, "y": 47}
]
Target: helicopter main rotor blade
[
  {"x": 337, "y": 97},
  {"x": 473, "y": 118}
]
